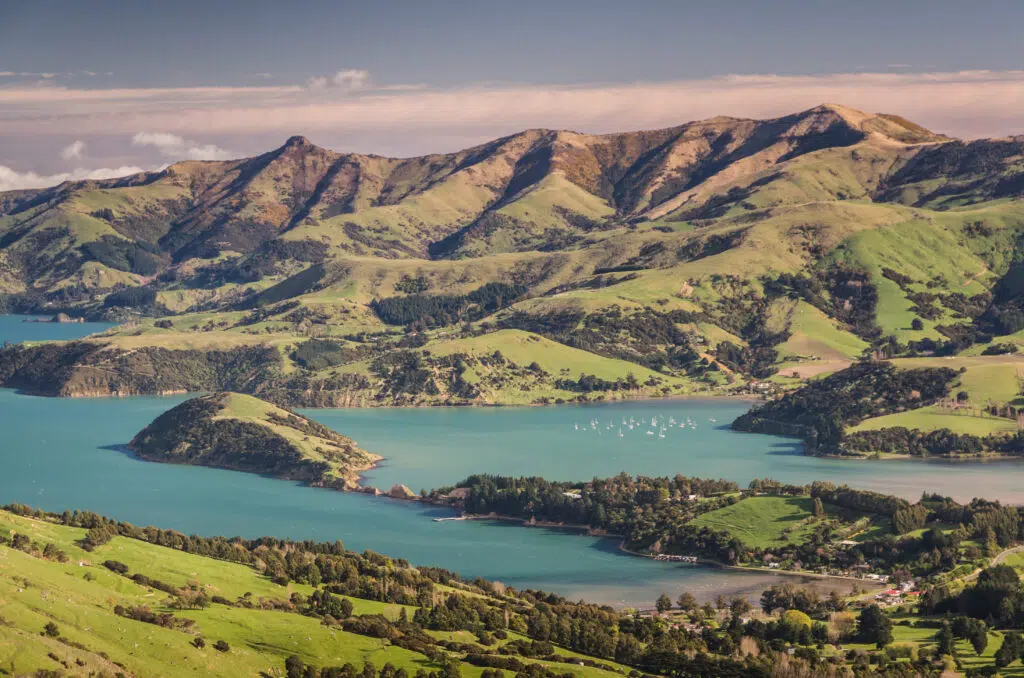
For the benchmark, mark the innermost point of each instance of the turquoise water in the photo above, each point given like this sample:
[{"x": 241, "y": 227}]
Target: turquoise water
[
  {"x": 61, "y": 454},
  {"x": 431, "y": 447},
  {"x": 13, "y": 328}
]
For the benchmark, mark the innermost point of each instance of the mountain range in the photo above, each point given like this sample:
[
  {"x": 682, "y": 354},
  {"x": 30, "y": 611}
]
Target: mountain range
[{"x": 726, "y": 246}]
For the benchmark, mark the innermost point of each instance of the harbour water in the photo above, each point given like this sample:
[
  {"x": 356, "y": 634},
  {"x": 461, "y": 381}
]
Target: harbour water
[{"x": 59, "y": 454}]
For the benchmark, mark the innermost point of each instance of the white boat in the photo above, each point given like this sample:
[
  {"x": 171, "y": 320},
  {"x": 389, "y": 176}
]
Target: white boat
[{"x": 650, "y": 433}]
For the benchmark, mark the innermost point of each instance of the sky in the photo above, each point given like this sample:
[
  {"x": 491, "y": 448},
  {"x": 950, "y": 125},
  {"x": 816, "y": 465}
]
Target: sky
[{"x": 94, "y": 88}]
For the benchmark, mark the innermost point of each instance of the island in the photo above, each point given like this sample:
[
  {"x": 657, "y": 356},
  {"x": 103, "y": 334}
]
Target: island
[{"x": 243, "y": 433}]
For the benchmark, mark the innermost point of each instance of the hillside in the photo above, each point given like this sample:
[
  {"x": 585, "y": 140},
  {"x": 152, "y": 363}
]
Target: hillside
[
  {"x": 81, "y": 594},
  {"x": 112, "y": 599},
  {"x": 235, "y": 431},
  {"x": 709, "y": 257}
]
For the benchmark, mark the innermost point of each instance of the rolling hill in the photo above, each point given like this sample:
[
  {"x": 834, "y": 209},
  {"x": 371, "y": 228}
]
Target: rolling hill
[{"x": 701, "y": 257}]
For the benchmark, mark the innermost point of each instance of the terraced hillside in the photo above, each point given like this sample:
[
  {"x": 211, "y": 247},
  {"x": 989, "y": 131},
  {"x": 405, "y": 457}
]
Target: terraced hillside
[{"x": 544, "y": 266}]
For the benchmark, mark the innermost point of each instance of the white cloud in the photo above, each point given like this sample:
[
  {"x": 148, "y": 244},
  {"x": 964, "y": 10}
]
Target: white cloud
[
  {"x": 348, "y": 80},
  {"x": 73, "y": 150},
  {"x": 178, "y": 148},
  {"x": 12, "y": 180},
  {"x": 26, "y": 74},
  {"x": 351, "y": 79},
  {"x": 408, "y": 121}
]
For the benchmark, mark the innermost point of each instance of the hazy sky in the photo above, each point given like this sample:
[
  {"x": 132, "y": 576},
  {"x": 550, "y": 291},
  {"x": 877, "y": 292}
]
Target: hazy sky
[{"x": 103, "y": 87}]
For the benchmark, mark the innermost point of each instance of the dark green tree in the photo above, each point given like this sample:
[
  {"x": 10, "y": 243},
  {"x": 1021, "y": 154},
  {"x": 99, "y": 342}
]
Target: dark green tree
[
  {"x": 1010, "y": 650},
  {"x": 874, "y": 626}
]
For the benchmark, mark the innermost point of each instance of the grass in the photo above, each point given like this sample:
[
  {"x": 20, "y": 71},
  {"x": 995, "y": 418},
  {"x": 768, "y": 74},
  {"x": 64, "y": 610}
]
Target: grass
[
  {"x": 79, "y": 596},
  {"x": 762, "y": 522},
  {"x": 929, "y": 419},
  {"x": 524, "y": 348},
  {"x": 814, "y": 334},
  {"x": 249, "y": 408}
]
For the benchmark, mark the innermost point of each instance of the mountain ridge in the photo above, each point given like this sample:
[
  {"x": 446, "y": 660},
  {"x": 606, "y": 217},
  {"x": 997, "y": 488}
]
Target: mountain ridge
[{"x": 694, "y": 257}]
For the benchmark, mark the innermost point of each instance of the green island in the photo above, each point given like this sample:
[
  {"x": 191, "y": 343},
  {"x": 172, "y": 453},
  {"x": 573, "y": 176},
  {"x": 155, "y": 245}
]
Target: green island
[{"x": 239, "y": 432}]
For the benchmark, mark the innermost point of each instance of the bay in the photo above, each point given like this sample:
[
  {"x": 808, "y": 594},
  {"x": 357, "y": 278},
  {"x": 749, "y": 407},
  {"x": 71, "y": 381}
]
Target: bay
[{"x": 59, "y": 454}]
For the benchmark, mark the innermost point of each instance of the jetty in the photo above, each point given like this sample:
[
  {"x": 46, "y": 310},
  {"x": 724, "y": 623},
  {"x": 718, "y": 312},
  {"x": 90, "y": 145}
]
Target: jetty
[{"x": 442, "y": 520}]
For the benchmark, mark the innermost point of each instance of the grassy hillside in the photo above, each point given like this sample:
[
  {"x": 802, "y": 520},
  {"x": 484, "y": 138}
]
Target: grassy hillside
[
  {"x": 707, "y": 256},
  {"x": 71, "y": 588},
  {"x": 231, "y": 430}
]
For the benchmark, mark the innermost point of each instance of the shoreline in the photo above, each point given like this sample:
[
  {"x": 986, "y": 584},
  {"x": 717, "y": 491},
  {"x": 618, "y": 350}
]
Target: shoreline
[{"x": 709, "y": 563}]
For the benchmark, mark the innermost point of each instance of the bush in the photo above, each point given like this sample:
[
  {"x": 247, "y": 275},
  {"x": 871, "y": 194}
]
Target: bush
[
  {"x": 134, "y": 297},
  {"x": 221, "y": 646}
]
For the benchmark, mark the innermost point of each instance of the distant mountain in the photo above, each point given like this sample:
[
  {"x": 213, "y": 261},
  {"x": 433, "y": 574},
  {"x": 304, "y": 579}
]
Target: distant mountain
[
  {"x": 533, "y": 190},
  {"x": 715, "y": 251}
]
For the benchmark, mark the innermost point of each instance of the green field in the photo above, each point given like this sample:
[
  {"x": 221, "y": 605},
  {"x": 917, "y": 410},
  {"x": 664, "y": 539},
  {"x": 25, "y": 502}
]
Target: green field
[
  {"x": 762, "y": 522},
  {"x": 928, "y": 419},
  {"x": 79, "y": 597}
]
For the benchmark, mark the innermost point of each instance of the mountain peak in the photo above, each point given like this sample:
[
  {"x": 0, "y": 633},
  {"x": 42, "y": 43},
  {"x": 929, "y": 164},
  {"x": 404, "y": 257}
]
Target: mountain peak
[
  {"x": 892, "y": 127},
  {"x": 297, "y": 141}
]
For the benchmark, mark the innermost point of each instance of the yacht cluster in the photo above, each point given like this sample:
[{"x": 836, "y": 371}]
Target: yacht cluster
[{"x": 655, "y": 426}]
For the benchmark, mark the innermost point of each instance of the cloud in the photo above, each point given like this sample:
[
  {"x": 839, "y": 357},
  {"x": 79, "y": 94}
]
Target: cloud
[
  {"x": 26, "y": 74},
  {"x": 969, "y": 104},
  {"x": 12, "y": 180},
  {"x": 349, "y": 80},
  {"x": 178, "y": 148},
  {"x": 73, "y": 150}
]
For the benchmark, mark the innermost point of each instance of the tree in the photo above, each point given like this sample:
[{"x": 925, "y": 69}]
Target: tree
[
  {"x": 198, "y": 642},
  {"x": 819, "y": 508},
  {"x": 686, "y": 602},
  {"x": 916, "y": 324},
  {"x": 874, "y": 627},
  {"x": 221, "y": 646},
  {"x": 795, "y": 624},
  {"x": 738, "y": 607},
  {"x": 663, "y": 604},
  {"x": 978, "y": 635},
  {"x": 1010, "y": 650},
  {"x": 944, "y": 640},
  {"x": 51, "y": 630}
]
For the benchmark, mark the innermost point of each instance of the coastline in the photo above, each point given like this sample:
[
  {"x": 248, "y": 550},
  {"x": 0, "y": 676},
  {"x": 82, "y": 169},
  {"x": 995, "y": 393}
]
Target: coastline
[{"x": 589, "y": 531}]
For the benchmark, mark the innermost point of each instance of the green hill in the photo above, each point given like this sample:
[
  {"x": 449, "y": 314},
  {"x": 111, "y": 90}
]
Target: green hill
[
  {"x": 110, "y": 600},
  {"x": 712, "y": 254},
  {"x": 235, "y": 431}
]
